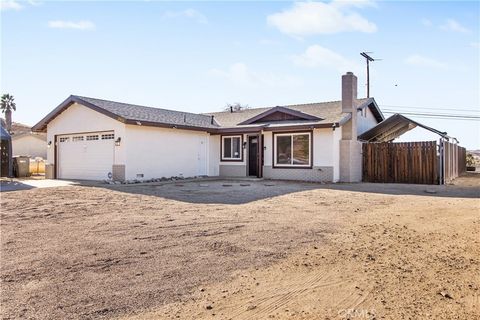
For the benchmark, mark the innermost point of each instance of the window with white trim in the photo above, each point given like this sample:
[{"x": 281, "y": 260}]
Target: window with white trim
[
  {"x": 92, "y": 137},
  {"x": 77, "y": 138},
  {"x": 108, "y": 136},
  {"x": 292, "y": 149},
  {"x": 232, "y": 148}
]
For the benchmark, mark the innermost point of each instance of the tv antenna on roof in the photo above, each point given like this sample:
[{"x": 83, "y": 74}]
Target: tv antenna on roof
[{"x": 369, "y": 59}]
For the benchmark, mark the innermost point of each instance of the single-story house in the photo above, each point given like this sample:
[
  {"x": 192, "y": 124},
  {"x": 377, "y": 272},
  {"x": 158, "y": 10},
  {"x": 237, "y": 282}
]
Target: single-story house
[
  {"x": 31, "y": 144},
  {"x": 25, "y": 142},
  {"x": 98, "y": 139}
]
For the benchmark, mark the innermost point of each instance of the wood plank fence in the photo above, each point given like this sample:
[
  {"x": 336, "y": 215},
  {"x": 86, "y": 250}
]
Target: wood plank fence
[
  {"x": 454, "y": 161},
  {"x": 401, "y": 162}
]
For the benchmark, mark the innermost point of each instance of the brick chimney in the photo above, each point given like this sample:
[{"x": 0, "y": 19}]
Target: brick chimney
[{"x": 349, "y": 105}]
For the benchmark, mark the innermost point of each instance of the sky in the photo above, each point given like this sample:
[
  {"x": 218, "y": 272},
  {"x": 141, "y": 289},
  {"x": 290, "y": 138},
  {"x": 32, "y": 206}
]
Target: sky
[{"x": 199, "y": 56}]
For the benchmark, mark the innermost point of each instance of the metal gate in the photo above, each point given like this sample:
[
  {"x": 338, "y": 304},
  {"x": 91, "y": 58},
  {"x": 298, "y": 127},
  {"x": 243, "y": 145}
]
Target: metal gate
[{"x": 453, "y": 161}]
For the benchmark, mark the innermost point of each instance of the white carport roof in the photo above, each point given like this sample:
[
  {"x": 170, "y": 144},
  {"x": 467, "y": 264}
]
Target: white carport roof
[{"x": 393, "y": 127}]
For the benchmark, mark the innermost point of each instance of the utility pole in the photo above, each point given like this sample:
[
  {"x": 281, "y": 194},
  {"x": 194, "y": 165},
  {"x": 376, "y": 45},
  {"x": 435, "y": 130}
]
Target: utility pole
[{"x": 368, "y": 58}]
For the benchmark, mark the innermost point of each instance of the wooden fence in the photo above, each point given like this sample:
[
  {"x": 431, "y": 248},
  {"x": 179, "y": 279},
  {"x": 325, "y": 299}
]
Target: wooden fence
[
  {"x": 454, "y": 161},
  {"x": 409, "y": 162}
]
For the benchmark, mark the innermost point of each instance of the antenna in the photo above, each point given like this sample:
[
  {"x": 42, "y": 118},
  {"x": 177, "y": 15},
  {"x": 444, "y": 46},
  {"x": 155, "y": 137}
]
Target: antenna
[{"x": 368, "y": 58}]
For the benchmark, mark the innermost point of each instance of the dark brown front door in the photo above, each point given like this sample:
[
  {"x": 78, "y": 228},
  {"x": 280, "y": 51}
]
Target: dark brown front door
[{"x": 253, "y": 159}]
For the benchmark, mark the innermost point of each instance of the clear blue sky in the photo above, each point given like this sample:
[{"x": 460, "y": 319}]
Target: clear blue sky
[{"x": 198, "y": 56}]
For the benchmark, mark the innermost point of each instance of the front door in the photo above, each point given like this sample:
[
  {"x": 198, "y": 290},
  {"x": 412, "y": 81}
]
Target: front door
[{"x": 253, "y": 160}]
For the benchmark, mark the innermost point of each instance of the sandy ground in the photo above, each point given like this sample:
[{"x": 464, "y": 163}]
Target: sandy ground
[{"x": 219, "y": 250}]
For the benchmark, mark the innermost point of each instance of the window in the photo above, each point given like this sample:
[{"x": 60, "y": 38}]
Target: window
[
  {"x": 77, "y": 138},
  {"x": 64, "y": 139},
  {"x": 108, "y": 136},
  {"x": 292, "y": 149},
  {"x": 92, "y": 137},
  {"x": 232, "y": 148}
]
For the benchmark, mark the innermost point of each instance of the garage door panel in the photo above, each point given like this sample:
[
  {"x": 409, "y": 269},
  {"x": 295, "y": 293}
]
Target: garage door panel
[{"x": 85, "y": 159}]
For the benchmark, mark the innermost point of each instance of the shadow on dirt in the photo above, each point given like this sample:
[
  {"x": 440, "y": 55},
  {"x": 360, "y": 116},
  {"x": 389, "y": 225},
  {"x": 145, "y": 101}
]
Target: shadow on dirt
[
  {"x": 216, "y": 191},
  {"x": 12, "y": 185},
  {"x": 241, "y": 191}
]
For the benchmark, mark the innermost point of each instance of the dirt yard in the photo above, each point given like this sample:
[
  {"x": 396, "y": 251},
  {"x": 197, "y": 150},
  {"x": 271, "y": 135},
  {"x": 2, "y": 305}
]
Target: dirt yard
[{"x": 227, "y": 250}]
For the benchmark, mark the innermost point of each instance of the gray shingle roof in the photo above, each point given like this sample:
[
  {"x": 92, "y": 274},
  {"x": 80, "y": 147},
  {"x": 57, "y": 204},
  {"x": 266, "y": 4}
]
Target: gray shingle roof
[
  {"x": 329, "y": 112},
  {"x": 326, "y": 112},
  {"x": 150, "y": 114}
]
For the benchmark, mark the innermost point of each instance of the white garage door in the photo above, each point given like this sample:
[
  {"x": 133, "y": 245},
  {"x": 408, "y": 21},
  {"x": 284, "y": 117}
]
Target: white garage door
[{"x": 86, "y": 156}]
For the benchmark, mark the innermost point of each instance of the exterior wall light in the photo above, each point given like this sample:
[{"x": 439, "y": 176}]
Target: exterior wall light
[
  {"x": 244, "y": 144},
  {"x": 49, "y": 144},
  {"x": 117, "y": 142}
]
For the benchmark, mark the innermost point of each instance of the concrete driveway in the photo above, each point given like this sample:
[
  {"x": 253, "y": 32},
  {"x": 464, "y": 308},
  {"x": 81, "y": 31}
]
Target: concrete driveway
[{"x": 25, "y": 184}]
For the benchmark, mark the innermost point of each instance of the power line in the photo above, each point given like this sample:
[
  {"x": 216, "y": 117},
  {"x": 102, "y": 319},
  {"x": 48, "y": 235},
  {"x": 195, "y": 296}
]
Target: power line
[
  {"x": 427, "y": 108},
  {"x": 414, "y": 115},
  {"x": 444, "y": 118},
  {"x": 435, "y": 114}
]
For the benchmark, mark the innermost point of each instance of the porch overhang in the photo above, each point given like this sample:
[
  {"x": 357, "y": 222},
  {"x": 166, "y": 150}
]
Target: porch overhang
[
  {"x": 279, "y": 127},
  {"x": 274, "y": 128}
]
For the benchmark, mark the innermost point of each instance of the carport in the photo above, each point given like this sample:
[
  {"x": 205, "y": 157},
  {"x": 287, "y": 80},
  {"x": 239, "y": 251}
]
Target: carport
[{"x": 424, "y": 162}]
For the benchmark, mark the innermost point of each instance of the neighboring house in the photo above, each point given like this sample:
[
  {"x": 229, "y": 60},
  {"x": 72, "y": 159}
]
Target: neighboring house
[
  {"x": 30, "y": 144},
  {"x": 25, "y": 142},
  {"x": 18, "y": 128},
  {"x": 96, "y": 139}
]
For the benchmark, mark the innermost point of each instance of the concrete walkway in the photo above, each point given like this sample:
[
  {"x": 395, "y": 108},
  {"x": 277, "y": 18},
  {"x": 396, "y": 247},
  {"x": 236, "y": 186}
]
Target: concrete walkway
[{"x": 25, "y": 184}]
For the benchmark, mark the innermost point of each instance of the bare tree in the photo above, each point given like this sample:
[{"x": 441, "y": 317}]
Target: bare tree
[{"x": 235, "y": 107}]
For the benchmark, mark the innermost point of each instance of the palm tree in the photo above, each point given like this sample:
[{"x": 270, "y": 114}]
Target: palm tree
[{"x": 7, "y": 106}]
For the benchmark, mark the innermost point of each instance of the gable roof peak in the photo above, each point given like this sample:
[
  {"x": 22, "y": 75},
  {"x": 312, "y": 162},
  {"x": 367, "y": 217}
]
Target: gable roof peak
[
  {"x": 280, "y": 113},
  {"x": 133, "y": 114}
]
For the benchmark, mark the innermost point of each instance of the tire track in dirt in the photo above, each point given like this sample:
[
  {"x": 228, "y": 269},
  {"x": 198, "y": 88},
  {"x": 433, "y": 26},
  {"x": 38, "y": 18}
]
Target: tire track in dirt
[
  {"x": 277, "y": 298},
  {"x": 263, "y": 294}
]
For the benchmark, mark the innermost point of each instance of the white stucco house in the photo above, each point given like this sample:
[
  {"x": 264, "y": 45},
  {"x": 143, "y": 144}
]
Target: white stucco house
[
  {"x": 31, "y": 144},
  {"x": 97, "y": 139}
]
